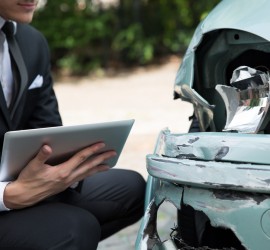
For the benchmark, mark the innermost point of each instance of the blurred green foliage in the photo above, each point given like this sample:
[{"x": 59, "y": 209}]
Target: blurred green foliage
[{"x": 86, "y": 35}]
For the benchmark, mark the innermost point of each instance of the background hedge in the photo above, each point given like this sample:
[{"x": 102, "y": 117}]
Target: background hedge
[{"x": 86, "y": 35}]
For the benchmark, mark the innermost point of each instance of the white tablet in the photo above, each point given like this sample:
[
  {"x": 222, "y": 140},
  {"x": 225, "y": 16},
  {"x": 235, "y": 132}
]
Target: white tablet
[{"x": 21, "y": 146}]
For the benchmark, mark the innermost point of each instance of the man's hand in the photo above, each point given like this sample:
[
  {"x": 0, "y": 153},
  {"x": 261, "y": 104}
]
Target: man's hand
[{"x": 38, "y": 180}]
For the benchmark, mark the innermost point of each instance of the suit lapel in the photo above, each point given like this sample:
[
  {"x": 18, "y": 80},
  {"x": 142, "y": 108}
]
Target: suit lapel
[{"x": 21, "y": 77}]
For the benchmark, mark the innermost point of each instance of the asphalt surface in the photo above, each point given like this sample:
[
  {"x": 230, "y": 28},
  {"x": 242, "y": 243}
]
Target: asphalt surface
[{"x": 144, "y": 94}]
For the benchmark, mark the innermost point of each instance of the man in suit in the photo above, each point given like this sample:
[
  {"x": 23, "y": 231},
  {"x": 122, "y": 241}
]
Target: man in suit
[{"x": 42, "y": 209}]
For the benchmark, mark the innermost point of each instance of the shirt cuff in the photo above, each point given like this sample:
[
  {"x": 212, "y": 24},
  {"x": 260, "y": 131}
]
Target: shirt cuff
[
  {"x": 74, "y": 185},
  {"x": 2, "y": 189}
]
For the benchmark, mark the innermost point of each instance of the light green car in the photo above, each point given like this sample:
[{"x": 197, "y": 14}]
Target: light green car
[{"x": 217, "y": 178}]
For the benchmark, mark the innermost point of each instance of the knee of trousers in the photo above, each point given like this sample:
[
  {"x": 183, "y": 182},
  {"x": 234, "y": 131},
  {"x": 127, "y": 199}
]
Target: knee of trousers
[
  {"x": 81, "y": 231},
  {"x": 135, "y": 187},
  {"x": 84, "y": 231}
]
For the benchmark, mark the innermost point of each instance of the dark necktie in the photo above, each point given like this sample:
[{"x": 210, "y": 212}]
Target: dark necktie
[
  {"x": 20, "y": 73},
  {"x": 9, "y": 31}
]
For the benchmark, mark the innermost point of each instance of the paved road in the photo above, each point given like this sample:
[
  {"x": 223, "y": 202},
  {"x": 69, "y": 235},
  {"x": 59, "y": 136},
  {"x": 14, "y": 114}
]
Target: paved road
[{"x": 146, "y": 95}]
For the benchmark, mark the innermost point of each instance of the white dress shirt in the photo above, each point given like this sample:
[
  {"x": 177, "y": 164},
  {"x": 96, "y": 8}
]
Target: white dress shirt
[
  {"x": 6, "y": 79},
  {"x": 2, "y": 189}
]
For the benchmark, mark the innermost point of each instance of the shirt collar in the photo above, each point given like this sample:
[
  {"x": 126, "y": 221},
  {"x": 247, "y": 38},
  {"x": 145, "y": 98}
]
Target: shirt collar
[{"x": 2, "y": 22}]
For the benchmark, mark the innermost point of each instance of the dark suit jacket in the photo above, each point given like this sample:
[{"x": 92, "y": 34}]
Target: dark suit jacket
[{"x": 37, "y": 107}]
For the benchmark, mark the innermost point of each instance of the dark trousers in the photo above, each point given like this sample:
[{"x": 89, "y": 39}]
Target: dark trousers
[{"x": 77, "y": 219}]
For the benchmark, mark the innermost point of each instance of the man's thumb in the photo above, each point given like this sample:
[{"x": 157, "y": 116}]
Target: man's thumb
[{"x": 43, "y": 154}]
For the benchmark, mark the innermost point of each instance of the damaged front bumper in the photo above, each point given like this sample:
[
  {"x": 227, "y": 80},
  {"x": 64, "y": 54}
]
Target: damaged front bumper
[{"x": 224, "y": 175}]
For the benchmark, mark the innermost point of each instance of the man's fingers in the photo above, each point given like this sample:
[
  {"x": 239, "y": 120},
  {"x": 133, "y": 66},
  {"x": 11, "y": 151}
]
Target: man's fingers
[
  {"x": 83, "y": 172},
  {"x": 84, "y": 154},
  {"x": 87, "y": 162},
  {"x": 101, "y": 158}
]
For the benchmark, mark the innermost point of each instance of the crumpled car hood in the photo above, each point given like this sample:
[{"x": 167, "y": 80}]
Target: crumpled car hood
[{"x": 248, "y": 16}]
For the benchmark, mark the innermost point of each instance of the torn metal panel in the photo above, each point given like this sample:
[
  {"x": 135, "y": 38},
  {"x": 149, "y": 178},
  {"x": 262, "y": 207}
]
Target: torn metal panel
[
  {"x": 216, "y": 146},
  {"x": 216, "y": 175},
  {"x": 244, "y": 215},
  {"x": 213, "y": 160},
  {"x": 148, "y": 237},
  {"x": 202, "y": 109}
]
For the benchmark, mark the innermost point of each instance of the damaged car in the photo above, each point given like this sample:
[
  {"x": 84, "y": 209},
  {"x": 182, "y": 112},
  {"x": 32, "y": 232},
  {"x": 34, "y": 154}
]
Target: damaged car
[{"x": 217, "y": 175}]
